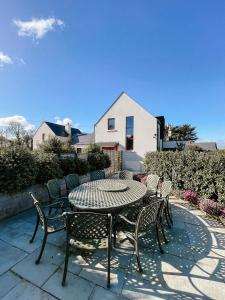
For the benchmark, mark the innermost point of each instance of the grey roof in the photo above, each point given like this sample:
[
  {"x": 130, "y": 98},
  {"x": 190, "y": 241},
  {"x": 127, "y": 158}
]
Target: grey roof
[
  {"x": 59, "y": 130},
  {"x": 208, "y": 146},
  {"x": 84, "y": 139}
]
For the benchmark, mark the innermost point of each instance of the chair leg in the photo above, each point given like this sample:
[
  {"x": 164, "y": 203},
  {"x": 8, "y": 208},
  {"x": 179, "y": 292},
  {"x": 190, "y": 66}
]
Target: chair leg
[
  {"x": 66, "y": 263},
  {"x": 42, "y": 248},
  {"x": 163, "y": 233},
  {"x": 138, "y": 257},
  {"x": 49, "y": 211},
  {"x": 35, "y": 230},
  {"x": 167, "y": 220},
  {"x": 109, "y": 258},
  {"x": 158, "y": 238},
  {"x": 168, "y": 212}
]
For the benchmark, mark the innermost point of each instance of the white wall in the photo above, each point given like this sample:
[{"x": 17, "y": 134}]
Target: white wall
[
  {"x": 145, "y": 128},
  {"x": 37, "y": 138}
]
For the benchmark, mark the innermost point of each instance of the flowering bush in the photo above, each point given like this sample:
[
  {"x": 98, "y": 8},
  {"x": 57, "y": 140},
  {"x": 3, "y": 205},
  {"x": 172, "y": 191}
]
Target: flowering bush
[
  {"x": 191, "y": 196},
  {"x": 211, "y": 207}
]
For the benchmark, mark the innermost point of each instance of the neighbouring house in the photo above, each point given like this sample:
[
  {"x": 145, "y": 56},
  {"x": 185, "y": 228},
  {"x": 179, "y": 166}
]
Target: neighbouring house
[
  {"x": 48, "y": 129},
  {"x": 82, "y": 141},
  {"x": 180, "y": 145},
  {"x": 128, "y": 127}
]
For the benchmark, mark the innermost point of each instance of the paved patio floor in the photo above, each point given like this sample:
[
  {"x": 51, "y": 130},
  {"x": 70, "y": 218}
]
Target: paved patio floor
[{"x": 193, "y": 266}]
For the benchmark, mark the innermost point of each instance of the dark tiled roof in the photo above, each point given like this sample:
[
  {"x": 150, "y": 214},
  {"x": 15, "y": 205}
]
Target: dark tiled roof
[
  {"x": 208, "y": 146},
  {"x": 84, "y": 139},
  {"x": 59, "y": 130}
]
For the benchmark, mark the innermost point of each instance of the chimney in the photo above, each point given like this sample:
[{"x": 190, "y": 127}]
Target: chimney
[{"x": 68, "y": 128}]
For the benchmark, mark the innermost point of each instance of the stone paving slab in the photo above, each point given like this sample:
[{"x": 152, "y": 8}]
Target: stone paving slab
[
  {"x": 27, "y": 291},
  {"x": 75, "y": 288},
  {"x": 9, "y": 256},
  {"x": 7, "y": 282}
]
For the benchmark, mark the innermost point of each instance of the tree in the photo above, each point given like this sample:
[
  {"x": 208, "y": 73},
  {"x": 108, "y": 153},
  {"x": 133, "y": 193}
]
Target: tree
[
  {"x": 54, "y": 145},
  {"x": 181, "y": 133}
]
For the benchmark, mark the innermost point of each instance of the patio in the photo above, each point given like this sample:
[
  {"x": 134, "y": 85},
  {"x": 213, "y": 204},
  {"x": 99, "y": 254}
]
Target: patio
[{"x": 193, "y": 266}]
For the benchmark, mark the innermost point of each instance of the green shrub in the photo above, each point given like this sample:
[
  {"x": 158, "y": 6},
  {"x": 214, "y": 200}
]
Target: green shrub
[
  {"x": 202, "y": 172},
  {"x": 68, "y": 165},
  {"x": 17, "y": 169},
  {"x": 82, "y": 166},
  {"x": 48, "y": 166},
  {"x": 98, "y": 161}
]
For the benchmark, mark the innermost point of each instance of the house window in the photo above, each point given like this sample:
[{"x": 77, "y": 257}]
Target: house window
[
  {"x": 111, "y": 124},
  {"x": 43, "y": 137},
  {"x": 129, "y": 133},
  {"x": 79, "y": 150}
]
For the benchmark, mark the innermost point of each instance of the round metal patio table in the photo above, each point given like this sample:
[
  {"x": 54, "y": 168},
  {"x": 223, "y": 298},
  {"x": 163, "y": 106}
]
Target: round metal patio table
[{"x": 107, "y": 194}]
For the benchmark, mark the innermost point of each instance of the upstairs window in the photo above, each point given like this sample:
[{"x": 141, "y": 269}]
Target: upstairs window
[
  {"x": 129, "y": 133},
  {"x": 111, "y": 124},
  {"x": 43, "y": 137}
]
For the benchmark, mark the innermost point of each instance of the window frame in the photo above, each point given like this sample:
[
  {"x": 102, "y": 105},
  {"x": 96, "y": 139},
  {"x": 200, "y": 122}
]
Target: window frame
[
  {"x": 126, "y": 135},
  {"x": 114, "y": 123}
]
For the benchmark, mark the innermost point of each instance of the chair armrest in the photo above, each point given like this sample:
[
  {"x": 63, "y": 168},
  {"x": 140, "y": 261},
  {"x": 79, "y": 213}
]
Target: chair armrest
[
  {"x": 54, "y": 218},
  {"x": 126, "y": 220},
  {"x": 52, "y": 204}
]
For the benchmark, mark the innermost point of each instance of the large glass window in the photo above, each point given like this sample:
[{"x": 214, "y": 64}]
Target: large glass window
[
  {"x": 111, "y": 124},
  {"x": 129, "y": 133}
]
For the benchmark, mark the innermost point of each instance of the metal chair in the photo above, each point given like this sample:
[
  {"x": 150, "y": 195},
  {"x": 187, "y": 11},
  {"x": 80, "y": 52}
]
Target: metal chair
[
  {"x": 72, "y": 181},
  {"x": 54, "y": 192},
  {"x": 97, "y": 175},
  {"x": 148, "y": 216},
  {"x": 86, "y": 225},
  {"x": 49, "y": 224},
  {"x": 152, "y": 183},
  {"x": 164, "y": 194},
  {"x": 126, "y": 174}
]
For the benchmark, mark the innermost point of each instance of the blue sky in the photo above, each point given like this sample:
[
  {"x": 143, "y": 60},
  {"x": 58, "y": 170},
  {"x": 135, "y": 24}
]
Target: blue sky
[{"x": 169, "y": 55}]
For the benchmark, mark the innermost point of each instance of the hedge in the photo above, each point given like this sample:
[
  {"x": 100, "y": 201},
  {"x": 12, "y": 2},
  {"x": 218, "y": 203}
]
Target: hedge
[
  {"x": 20, "y": 167},
  {"x": 17, "y": 169},
  {"x": 202, "y": 172}
]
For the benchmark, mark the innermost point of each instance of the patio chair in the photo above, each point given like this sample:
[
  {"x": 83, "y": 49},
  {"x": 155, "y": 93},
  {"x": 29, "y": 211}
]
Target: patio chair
[
  {"x": 97, "y": 175},
  {"x": 49, "y": 224},
  {"x": 87, "y": 225},
  {"x": 164, "y": 194},
  {"x": 126, "y": 174},
  {"x": 72, "y": 181},
  {"x": 152, "y": 183},
  {"x": 147, "y": 216},
  {"x": 54, "y": 192}
]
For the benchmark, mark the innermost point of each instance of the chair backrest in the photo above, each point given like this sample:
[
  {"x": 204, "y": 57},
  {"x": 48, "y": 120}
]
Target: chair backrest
[
  {"x": 96, "y": 175},
  {"x": 148, "y": 215},
  {"x": 86, "y": 225},
  {"x": 53, "y": 189},
  {"x": 152, "y": 182},
  {"x": 72, "y": 181},
  {"x": 39, "y": 210},
  {"x": 126, "y": 174},
  {"x": 166, "y": 188}
]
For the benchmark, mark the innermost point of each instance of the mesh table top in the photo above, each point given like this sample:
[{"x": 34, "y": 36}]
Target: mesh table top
[{"x": 91, "y": 195}]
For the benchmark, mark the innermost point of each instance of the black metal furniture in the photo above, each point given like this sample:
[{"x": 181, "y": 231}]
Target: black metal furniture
[
  {"x": 54, "y": 192},
  {"x": 72, "y": 181},
  {"x": 49, "y": 224},
  {"x": 147, "y": 216},
  {"x": 97, "y": 175},
  {"x": 164, "y": 195},
  {"x": 86, "y": 225},
  {"x": 106, "y": 195},
  {"x": 126, "y": 174}
]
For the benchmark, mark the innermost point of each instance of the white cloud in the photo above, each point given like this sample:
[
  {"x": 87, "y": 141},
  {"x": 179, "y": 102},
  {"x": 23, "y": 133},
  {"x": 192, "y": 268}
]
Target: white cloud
[
  {"x": 18, "y": 119},
  {"x": 37, "y": 28},
  {"x": 5, "y": 59},
  {"x": 65, "y": 121}
]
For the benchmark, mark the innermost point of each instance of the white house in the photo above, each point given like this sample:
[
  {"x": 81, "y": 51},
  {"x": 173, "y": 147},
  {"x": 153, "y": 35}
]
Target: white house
[
  {"x": 128, "y": 127},
  {"x": 48, "y": 129}
]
